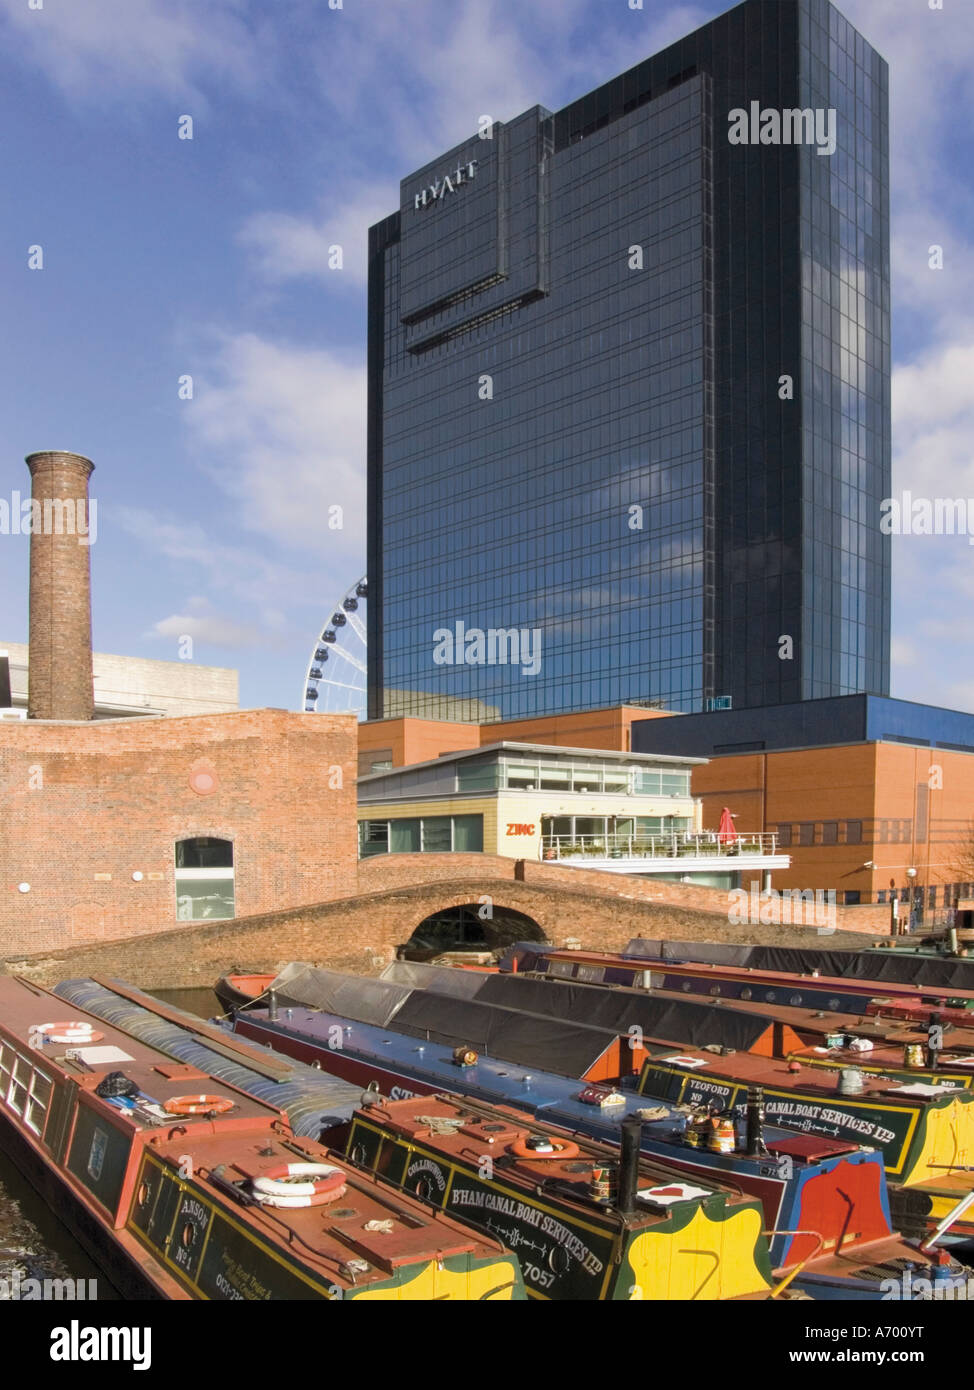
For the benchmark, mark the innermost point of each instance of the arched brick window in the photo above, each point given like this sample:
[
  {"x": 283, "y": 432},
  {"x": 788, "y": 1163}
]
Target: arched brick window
[{"x": 204, "y": 879}]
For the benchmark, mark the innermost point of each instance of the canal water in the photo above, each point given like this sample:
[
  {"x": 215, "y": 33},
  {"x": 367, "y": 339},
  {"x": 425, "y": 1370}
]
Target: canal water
[
  {"x": 33, "y": 1242},
  {"x": 35, "y": 1245}
]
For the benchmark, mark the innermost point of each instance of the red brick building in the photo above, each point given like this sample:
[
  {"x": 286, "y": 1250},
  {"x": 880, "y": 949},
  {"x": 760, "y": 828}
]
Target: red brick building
[{"x": 120, "y": 827}]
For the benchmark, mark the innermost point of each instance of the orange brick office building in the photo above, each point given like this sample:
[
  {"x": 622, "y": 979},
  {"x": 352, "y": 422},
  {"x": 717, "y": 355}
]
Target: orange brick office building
[{"x": 858, "y": 790}]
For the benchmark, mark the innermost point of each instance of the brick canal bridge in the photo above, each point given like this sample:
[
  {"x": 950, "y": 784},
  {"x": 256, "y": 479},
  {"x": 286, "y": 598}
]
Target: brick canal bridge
[{"x": 396, "y": 893}]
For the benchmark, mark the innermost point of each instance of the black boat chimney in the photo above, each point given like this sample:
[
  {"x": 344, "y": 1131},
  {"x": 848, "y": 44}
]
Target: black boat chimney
[
  {"x": 632, "y": 1137},
  {"x": 272, "y": 1006}
]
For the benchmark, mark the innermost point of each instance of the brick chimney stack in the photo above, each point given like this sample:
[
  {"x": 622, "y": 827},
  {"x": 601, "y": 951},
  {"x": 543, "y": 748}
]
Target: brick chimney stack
[{"x": 60, "y": 684}]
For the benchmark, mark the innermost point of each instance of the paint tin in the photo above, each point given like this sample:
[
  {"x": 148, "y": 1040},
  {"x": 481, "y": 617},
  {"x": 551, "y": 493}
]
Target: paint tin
[{"x": 604, "y": 1183}]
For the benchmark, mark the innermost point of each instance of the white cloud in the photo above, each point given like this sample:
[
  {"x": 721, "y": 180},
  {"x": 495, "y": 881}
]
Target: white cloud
[
  {"x": 903, "y": 652},
  {"x": 282, "y": 428},
  {"x": 933, "y": 423},
  {"x": 212, "y": 628},
  {"x": 88, "y": 48},
  {"x": 235, "y": 569},
  {"x": 281, "y": 431},
  {"x": 285, "y": 246}
]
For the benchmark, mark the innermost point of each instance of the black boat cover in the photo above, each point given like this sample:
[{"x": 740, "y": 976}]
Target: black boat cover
[
  {"x": 530, "y": 1040},
  {"x": 850, "y": 965},
  {"x": 686, "y": 1022}
]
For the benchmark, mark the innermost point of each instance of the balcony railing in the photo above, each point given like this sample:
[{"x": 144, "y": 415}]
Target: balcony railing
[{"x": 704, "y": 844}]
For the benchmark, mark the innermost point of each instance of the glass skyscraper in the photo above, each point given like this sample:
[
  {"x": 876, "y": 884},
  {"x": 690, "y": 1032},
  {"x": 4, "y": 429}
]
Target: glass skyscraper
[{"x": 629, "y": 390}]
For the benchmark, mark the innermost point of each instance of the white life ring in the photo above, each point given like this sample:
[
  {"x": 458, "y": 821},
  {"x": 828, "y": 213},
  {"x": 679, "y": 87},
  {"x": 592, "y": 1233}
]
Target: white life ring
[
  {"x": 72, "y": 1031},
  {"x": 282, "y": 1186}
]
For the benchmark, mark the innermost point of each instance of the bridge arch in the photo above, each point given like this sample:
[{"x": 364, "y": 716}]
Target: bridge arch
[{"x": 480, "y": 925}]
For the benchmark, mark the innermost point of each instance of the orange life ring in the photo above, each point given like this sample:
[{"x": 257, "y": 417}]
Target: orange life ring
[
  {"x": 198, "y": 1105},
  {"x": 563, "y": 1149},
  {"x": 72, "y": 1030},
  {"x": 300, "y": 1185}
]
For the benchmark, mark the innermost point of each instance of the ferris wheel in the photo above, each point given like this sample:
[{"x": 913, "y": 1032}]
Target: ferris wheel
[{"x": 336, "y": 678}]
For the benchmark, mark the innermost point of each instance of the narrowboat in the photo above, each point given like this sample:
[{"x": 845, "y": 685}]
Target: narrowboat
[
  {"x": 587, "y": 1050},
  {"x": 897, "y": 960},
  {"x": 925, "y": 1133},
  {"x": 904, "y": 1064},
  {"x": 632, "y": 1015},
  {"x": 238, "y": 989},
  {"x": 549, "y": 1196},
  {"x": 184, "y": 1187},
  {"x": 891, "y": 1048},
  {"x": 585, "y": 1224},
  {"x": 746, "y": 983},
  {"x": 803, "y": 1183}
]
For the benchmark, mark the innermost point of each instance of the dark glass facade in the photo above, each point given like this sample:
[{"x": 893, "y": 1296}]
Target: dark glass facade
[{"x": 578, "y": 448}]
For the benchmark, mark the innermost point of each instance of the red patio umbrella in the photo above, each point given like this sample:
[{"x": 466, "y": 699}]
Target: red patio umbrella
[{"x": 726, "y": 833}]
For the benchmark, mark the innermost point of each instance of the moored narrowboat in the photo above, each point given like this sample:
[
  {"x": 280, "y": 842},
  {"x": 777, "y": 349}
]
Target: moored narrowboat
[
  {"x": 746, "y": 983},
  {"x": 182, "y": 1186},
  {"x": 805, "y": 1183},
  {"x": 238, "y": 989},
  {"x": 584, "y": 1224},
  {"x": 487, "y": 1162},
  {"x": 894, "y": 961},
  {"x": 925, "y": 1133},
  {"x": 891, "y": 1048}
]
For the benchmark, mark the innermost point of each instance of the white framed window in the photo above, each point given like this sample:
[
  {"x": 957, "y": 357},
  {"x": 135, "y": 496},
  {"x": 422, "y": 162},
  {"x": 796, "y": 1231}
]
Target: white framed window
[
  {"x": 204, "y": 879},
  {"x": 38, "y": 1099},
  {"x": 19, "y": 1082}
]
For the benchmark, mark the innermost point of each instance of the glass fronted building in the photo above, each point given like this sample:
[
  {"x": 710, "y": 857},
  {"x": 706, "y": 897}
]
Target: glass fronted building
[
  {"x": 629, "y": 400},
  {"x": 582, "y": 807}
]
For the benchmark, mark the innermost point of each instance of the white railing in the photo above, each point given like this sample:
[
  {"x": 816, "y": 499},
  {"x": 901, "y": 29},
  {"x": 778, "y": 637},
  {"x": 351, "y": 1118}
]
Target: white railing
[{"x": 703, "y": 844}]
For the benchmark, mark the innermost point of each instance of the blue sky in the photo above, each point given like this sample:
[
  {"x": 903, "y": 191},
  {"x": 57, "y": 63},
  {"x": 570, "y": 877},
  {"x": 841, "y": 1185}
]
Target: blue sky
[{"x": 209, "y": 257}]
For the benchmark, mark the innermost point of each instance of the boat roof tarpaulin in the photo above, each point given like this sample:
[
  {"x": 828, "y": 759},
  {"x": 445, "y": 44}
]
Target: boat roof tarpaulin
[
  {"x": 684, "y": 1021},
  {"x": 558, "y": 1046},
  {"x": 352, "y": 996},
  {"x": 568, "y": 1048},
  {"x": 849, "y": 965},
  {"x": 442, "y": 979},
  {"x": 313, "y": 1101}
]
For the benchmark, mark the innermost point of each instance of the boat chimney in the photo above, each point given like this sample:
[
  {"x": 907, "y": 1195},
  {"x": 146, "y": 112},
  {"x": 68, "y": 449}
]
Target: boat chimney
[
  {"x": 755, "y": 1122},
  {"x": 632, "y": 1137},
  {"x": 272, "y": 1006}
]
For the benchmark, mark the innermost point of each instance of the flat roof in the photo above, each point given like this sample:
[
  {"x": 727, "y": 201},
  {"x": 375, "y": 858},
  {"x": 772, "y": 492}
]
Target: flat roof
[
  {"x": 591, "y": 754},
  {"x": 829, "y": 722}
]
